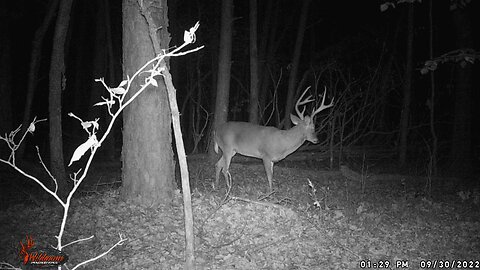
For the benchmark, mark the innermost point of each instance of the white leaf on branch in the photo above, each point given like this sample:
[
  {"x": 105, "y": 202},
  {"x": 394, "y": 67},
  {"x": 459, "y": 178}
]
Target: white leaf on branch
[
  {"x": 123, "y": 83},
  {"x": 154, "y": 82},
  {"x": 103, "y": 103},
  {"x": 31, "y": 128},
  {"x": 88, "y": 124},
  {"x": 118, "y": 90},
  {"x": 189, "y": 36},
  {"x": 84, "y": 147}
]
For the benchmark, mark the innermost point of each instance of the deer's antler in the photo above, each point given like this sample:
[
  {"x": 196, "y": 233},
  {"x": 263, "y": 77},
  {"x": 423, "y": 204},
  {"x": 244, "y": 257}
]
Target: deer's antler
[
  {"x": 322, "y": 106},
  {"x": 302, "y": 102}
]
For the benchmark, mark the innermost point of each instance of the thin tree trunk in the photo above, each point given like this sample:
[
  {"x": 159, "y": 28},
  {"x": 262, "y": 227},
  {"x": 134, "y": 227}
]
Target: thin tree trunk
[
  {"x": 156, "y": 17},
  {"x": 272, "y": 46},
  {"x": 109, "y": 144},
  {"x": 262, "y": 54},
  {"x": 292, "y": 79},
  {"x": 98, "y": 68},
  {"x": 56, "y": 81},
  {"x": 461, "y": 148},
  {"x": 187, "y": 199},
  {"x": 407, "y": 89},
  {"x": 270, "y": 49},
  {"x": 197, "y": 107},
  {"x": 35, "y": 58},
  {"x": 253, "y": 111},
  {"x": 102, "y": 62},
  {"x": 212, "y": 97},
  {"x": 432, "y": 95},
  {"x": 224, "y": 65},
  {"x": 82, "y": 59},
  {"x": 387, "y": 69}
]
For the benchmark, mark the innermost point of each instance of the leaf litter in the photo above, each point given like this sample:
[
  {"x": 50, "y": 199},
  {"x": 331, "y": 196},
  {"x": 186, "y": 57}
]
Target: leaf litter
[{"x": 280, "y": 231}]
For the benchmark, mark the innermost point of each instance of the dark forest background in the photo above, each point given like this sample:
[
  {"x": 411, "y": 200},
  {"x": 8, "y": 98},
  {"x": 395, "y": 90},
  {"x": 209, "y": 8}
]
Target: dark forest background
[{"x": 352, "y": 48}]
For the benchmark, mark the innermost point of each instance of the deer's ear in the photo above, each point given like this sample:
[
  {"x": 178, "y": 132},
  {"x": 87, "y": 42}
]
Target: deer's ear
[{"x": 295, "y": 119}]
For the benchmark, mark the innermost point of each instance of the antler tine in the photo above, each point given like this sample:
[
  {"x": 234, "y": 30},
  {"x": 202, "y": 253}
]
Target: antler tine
[
  {"x": 302, "y": 102},
  {"x": 323, "y": 106}
]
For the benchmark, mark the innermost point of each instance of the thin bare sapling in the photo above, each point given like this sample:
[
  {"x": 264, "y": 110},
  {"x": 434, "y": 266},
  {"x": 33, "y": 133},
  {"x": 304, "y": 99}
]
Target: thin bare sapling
[{"x": 116, "y": 102}]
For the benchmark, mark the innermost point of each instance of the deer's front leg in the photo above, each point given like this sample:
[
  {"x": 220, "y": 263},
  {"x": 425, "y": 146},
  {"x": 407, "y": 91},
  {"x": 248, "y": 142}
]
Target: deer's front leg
[
  {"x": 218, "y": 168},
  {"x": 268, "y": 164}
]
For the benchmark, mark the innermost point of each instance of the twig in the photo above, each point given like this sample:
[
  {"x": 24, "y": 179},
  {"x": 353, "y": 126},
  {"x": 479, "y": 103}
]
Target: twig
[
  {"x": 119, "y": 243},
  {"x": 257, "y": 202},
  {"x": 7, "y": 266},
  {"x": 78, "y": 240},
  {"x": 261, "y": 198}
]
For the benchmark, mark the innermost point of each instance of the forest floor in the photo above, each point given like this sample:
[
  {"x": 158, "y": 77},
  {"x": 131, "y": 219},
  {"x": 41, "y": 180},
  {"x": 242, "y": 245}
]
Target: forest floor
[{"x": 316, "y": 219}]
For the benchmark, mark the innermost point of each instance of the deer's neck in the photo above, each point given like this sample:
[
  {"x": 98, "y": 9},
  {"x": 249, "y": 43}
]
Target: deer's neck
[{"x": 291, "y": 140}]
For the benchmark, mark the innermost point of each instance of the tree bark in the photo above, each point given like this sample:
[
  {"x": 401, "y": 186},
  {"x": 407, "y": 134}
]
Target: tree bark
[
  {"x": 407, "y": 89},
  {"x": 461, "y": 147},
  {"x": 292, "y": 79},
  {"x": 224, "y": 65},
  {"x": 253, "y": 111},
  {"x": 56, "y": 85},
  {"x": 147, "y": 157}
]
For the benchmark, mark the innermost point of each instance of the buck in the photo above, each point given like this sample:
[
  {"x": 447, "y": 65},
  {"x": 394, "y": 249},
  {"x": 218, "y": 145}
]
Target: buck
[{"x": 267, "y": 143}]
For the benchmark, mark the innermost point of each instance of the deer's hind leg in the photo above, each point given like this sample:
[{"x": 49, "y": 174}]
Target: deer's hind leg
[{"x": 222, "y": 166}]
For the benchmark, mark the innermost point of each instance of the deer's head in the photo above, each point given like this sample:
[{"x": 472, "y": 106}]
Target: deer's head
[{"x": 307, "y": 123}]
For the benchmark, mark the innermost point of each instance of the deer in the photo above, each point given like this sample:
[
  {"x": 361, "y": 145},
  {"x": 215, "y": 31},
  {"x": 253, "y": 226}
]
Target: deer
[{"x": 267, "y": 143}]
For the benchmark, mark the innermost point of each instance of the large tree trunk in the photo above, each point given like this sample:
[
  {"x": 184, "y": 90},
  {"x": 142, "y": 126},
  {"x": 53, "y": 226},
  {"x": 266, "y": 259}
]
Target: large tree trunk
[
  {"x": 56, "y": 80},
  {"x": 35, "y": 58},
  {"x": 253, "y": 111},
  {"x": 292, "y": 79},
  {"x": 461, "y": 148},
  {"x": 148, "y": 168},
  {"x": 224, "y": 65},
  {"x": 407, "y": 89}
]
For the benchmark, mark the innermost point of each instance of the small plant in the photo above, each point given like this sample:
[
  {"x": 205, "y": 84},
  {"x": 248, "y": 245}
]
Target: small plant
[{"x": 317, "y": 202}]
